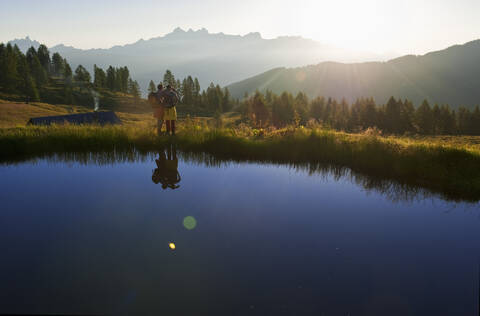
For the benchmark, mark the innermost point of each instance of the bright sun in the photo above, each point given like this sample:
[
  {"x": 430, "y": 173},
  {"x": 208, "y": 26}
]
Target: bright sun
[{"x": 355, "y": 25}]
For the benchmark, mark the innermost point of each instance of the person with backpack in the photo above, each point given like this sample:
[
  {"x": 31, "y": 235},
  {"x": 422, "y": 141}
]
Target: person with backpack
[
  {"x": 171, "y": 99},
  {"x": 156, "y": 100}
]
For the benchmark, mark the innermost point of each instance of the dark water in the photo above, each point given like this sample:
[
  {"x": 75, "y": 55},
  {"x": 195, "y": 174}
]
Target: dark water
[{"x": 91, "y": 236}]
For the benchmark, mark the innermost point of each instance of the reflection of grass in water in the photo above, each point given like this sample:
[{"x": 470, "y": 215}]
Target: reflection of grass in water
[
  {"x": 440, "y": 165},
  {"x": 392, "y": 189}
]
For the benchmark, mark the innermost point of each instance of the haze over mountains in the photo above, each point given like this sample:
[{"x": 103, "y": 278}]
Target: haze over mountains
[
  {"x": 217, "y": 58},
  {"x": 450, "y": 76}
]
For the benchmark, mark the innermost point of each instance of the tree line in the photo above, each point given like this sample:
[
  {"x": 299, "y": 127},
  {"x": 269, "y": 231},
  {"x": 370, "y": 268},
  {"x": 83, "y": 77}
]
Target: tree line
[
  {"x": 30, "y": 73},
  {"x": 214, "y": 99},
  {"x": 33, "y": 75},
  {"x": 116, "y": 80},
  {"x": 395, "y": 117},
  {"x": 26, "y": 73}
]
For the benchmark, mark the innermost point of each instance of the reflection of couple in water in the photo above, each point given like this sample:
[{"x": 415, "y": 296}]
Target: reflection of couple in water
[{"x": 166, "y": 172}]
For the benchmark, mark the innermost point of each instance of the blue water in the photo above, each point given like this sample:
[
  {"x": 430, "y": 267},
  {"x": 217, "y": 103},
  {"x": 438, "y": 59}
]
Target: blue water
[{"x": 89, "y": 238}]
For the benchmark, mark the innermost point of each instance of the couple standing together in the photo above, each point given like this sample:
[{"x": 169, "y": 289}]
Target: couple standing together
[{"x": 163, "y": 103}]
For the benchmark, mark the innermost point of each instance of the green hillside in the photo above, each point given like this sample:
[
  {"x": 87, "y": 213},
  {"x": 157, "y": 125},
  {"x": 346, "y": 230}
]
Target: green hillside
[{"x": 450, "y": 76}]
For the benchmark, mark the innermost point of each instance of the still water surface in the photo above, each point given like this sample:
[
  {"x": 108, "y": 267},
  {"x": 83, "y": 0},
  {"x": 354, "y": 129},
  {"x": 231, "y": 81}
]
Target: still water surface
[{"x": 93, "y": 237}]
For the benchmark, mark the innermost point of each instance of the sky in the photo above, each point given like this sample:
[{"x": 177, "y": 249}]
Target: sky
[{"x": 379, "y": 26}]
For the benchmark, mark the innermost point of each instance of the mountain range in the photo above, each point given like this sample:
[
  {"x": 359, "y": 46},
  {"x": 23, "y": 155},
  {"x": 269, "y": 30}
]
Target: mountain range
[
  {"x": 218, "y": 58},
  {"x": 450, "y": 76}
]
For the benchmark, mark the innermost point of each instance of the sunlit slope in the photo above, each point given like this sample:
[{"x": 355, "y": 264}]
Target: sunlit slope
[
  {"x": 16, "y": 114},
  {"x": 449, "y": 76}
]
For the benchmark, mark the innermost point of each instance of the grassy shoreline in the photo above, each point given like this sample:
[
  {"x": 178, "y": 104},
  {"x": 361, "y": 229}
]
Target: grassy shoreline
[{"x": 441, "y": 167}]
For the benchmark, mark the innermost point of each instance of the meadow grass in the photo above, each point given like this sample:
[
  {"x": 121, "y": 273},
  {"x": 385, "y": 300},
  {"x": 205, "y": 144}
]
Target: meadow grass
[{"x": 448, "y": 167}]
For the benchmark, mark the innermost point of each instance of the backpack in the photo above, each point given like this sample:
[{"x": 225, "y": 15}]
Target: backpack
[{"x": 171, "y": 99}]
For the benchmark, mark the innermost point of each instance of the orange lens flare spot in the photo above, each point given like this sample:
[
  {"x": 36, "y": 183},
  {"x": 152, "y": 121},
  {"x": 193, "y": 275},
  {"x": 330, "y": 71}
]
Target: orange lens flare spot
[{"x": 172, "y": 246}]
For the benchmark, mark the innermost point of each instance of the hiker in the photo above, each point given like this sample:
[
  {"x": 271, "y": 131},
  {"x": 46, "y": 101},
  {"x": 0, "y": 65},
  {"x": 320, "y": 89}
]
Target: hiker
[
  {"x": 171, "y": 99},
  {"x": 156, "y": 101},
  {"x": 166, "y": 172}
]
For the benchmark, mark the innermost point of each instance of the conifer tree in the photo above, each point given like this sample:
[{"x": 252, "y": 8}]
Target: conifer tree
[
  {"x": 9, "y": 76},
  {"x": 447, "y": 121},
  {"x": 476, "y": 121},
  {"x": 407, "y": 114},
  {"x": 26, "y": 85},
  {"x": 316, "y": 108},
  {"x": 196, "y": 92},
  {"x": 464, "y": 121},
  {"x": 436, "y": 120},
  {"x": 368, "y": 113},
  {"x": 301, "y": 106},
  {"x": 119, "y": 77},
  {"x": 392, "y": 123},
  {"x": 188, "y": 91},
  {"x": 58, "y": 66},
  {"x": 151, "y": 87},
  {"x": 226, "y": 100},
  {"x": 283, "y": 110},
  {"x": 67, "y": 71},
  {"x": 122, "y": 77},
  {"x": 110, "y": 81},
  {"x": 30, "y": 89},
  {"x": 169, "y": 79},
  {"x": 36, "y": 69},
  {"x": 44, "y": 57},
  {"x": 424, "y": 118},
  {"x": 259, "y": 112},
  {"x": 218, "y": 99},
  {"x": 342, "y": 115},
  {"x": 99, "y": 77},
  {"x": 3, "y": 66},
  {"x": 354, "y": 118},
  {"x": 134, "y": 89},
  {"x": 82, "y": 75}
]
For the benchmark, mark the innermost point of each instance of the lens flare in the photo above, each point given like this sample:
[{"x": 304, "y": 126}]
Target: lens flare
[{"x": 189, "y": 222}]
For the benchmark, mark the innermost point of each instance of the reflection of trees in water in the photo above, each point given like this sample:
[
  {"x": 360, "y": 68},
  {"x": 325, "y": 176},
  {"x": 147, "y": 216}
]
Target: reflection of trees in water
[
  {"x": 394, "y": 190},
  {"x": 391, "y": 189},
  {"x": 100, "y": 158}
]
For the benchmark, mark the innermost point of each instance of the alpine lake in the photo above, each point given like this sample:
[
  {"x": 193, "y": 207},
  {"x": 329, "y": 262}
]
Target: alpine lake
[{"x": 171, "y": 233}]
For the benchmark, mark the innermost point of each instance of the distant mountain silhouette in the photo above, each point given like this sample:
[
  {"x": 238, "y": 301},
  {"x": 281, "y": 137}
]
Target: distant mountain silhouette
[
  {"x": 25, "y": 43},
  {"x": 217, "y": 58},
  {"x": 449, "y": 76}
]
